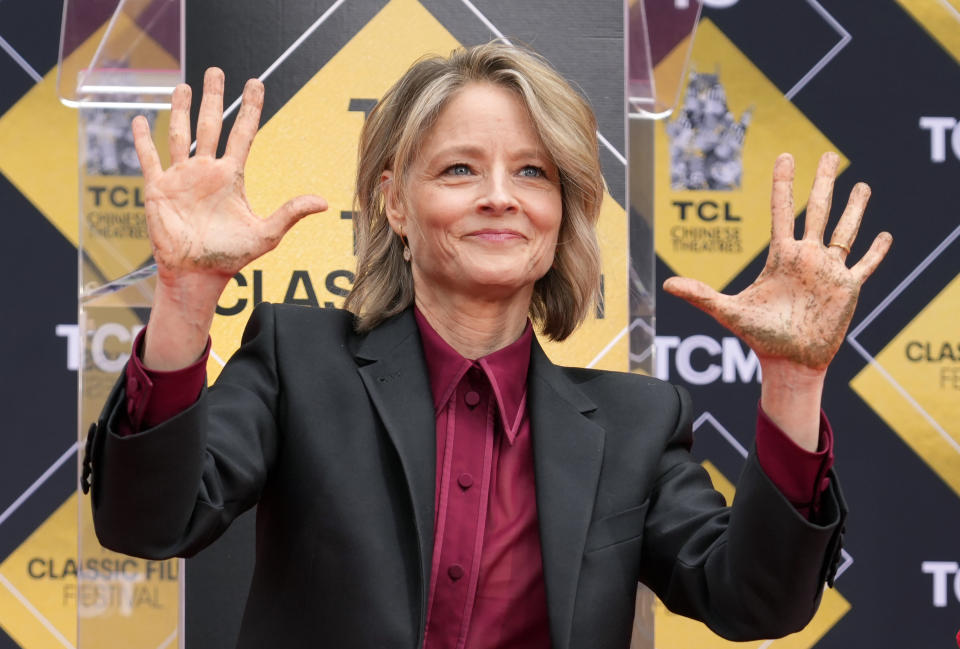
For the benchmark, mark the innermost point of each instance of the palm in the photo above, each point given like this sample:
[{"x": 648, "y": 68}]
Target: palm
[
  {"x": 203, "y": 217},
  {"x": 197, "y": 213},
  {"x": 799, "y": 307}
]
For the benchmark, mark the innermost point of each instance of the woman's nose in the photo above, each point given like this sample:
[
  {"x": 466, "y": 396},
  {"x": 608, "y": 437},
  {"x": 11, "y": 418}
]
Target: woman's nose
[{"x": 497, "y": 196}]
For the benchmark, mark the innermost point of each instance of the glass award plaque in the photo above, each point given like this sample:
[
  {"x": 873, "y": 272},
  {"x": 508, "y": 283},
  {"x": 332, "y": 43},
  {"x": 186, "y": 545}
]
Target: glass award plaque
[
  {"x": 659, "y": 39},
  {"x": 118, "y": 59}
]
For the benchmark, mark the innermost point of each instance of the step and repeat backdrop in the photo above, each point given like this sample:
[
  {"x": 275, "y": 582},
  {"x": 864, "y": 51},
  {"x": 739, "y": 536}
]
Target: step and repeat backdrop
[{"x": 878, "y": 82}]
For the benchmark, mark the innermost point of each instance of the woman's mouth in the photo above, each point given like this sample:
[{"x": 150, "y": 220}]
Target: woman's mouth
[{"x": 496, "y": 235}]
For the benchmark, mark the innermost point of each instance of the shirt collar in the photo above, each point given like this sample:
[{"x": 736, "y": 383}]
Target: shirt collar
[{"x": 506, "y": 369}]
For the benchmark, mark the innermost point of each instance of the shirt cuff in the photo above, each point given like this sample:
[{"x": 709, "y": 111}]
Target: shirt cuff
[
  {"x": 801, "y": 476},
  {"x": 154, "y": 396}
]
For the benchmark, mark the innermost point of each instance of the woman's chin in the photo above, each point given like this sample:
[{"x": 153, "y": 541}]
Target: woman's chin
[{"x": 494, "y": 279}]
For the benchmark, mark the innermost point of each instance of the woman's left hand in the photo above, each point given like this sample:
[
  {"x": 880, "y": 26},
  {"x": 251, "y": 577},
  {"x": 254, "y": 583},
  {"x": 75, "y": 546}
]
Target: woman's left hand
[{"x": 798, "y": 310}]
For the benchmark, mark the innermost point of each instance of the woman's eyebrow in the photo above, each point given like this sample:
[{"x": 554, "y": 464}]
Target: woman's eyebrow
[
  {"x": 473, "y": 151},
  {"x": 468, "y": 150}
]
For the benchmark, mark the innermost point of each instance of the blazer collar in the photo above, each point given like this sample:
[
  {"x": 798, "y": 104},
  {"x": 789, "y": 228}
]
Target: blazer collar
[
  {"x": 567, "y": 458},
  {"x": 393, "y": 370}
]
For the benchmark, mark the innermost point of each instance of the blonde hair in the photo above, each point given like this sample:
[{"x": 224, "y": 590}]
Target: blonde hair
[{"x": 391, "y": 137}]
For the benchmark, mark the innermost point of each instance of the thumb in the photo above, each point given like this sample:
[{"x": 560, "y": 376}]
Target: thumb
[
  {"x": 693, "y": 291},
  {"x": 291, "y": 212}
]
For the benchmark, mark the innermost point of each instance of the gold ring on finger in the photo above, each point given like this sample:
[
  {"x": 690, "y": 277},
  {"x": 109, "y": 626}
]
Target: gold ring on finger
[{"x": 836, "y": 244}]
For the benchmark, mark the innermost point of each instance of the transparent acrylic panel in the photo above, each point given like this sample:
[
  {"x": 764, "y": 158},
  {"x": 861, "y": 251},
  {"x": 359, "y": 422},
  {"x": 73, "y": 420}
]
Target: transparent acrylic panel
[
  {"x": 123, "y": 602},
  {"x": 643, "y": 281},
  {"x": 642, "y": 302},
  {"x": 118, "y": 59},
  {"x": 120, "y": 52},
  {"x": 113, "y": 226},
  {"x": 659, "y": 40}
]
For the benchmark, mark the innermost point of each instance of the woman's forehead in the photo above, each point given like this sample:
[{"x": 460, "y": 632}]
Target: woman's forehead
[{"x": 480, "y": 116}]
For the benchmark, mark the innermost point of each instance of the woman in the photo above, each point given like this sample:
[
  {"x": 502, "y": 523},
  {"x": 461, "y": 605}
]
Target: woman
[{"x": 425, "y": 476}]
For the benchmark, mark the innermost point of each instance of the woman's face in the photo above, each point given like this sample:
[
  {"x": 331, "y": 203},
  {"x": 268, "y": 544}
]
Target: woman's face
[{"x": 483, "y": 204}]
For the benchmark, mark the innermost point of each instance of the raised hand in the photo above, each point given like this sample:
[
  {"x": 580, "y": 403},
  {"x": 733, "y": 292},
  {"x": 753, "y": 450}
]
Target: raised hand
[
  {"x": 201, "y": 226},
  {"x": 795, "y": 314},
  {"x": 197, "y": 212},
  {"x": 800, "y": 306}
]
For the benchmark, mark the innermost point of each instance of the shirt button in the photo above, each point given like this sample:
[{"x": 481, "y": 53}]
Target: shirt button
[
  {"x": 455, "y": 571},
  {"x": 465, "y": 480},
  {"x": 472, "y": 398}
]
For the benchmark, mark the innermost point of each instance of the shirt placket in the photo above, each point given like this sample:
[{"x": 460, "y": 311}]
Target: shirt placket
[{"x": 464, "y": 492}]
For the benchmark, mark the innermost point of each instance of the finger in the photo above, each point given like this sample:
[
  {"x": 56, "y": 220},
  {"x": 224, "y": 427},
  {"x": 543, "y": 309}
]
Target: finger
[
  {"x": 846, "y": 231},
  {"x": 818, "y": 207},
  {"x": 781, "y": 198},
  {"x": 289, "y": 214},
  {"x": 695, "y": 292},
  {"x": 180, "y": 124},
  {"x": 878, "y": 250},
  {"x": 211, "y": 113},
  {"x": 248, "y": 120},
  {"x": 146, "y": 151}
]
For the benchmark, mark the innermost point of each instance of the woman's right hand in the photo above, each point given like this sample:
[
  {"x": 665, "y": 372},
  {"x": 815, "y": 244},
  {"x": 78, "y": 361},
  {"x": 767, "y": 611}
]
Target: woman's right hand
[
  {"x": 201, "y": 227},
  {"x": 198, "y": 217}
]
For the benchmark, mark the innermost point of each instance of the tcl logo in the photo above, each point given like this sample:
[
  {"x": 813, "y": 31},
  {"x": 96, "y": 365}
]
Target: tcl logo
[
  {"x": 946, "y": 577},
  {"x": 98, "y": 345},
  {"x": 940, "y": 129}
]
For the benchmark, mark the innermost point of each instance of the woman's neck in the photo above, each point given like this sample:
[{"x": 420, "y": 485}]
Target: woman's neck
[{"x": 474, "y": 327}]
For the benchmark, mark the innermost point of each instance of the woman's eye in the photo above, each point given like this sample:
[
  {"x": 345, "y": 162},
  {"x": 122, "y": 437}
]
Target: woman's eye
[
  {"x": 533, "y": 171},
  {"x": 458, "y": 170}
]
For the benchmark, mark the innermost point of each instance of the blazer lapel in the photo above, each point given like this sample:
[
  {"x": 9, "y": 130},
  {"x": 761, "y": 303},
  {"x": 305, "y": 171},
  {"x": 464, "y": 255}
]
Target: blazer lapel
[
  {"x": 568, "y": 453},
  {"x": 399, "y": 388}
]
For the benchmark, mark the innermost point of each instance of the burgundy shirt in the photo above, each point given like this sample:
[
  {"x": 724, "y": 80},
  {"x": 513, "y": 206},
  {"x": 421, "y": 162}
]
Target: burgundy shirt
[
  {"x": 486, "y": 585},
  {"x": 486, "y": 581}
]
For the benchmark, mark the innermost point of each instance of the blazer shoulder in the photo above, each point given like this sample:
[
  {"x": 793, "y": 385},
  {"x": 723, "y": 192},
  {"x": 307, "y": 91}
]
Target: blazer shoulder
[
  {"x": 289, "y": 318},
  {"x": 593, "y": 380},
  {"x": 624, "y": 398}
]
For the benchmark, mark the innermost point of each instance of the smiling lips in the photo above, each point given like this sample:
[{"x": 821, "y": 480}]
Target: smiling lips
[{"x": 496, "y": 235}]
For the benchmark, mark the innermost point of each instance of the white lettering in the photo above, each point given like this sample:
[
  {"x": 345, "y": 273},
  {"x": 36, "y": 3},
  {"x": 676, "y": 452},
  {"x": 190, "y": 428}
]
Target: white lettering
[
  {"x": 955, "y": 142},
  {"x": 738, "y": 364},
  {"x": 69, "y": 331},
  {"x": 686, "y": 370},
  {"x": 97, "y": 351},
  {"x": 940, "y": 570},
  {"x": 747, "y": 368},
  {"x": 661, "y": 355},
  {"x": 938, "y": 127}
]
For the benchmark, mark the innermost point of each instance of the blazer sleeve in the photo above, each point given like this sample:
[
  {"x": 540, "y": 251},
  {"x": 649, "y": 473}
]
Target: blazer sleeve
[
  {"x": 171, "y": 490},
  {"x": 754, "y": 570}
]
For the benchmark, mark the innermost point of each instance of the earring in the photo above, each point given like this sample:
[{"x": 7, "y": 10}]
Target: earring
[{"x": 406, "y": 248}]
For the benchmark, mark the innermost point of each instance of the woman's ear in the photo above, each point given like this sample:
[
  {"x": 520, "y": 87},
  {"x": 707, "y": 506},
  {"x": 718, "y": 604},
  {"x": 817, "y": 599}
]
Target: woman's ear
[{"x": 391, "y": 202}]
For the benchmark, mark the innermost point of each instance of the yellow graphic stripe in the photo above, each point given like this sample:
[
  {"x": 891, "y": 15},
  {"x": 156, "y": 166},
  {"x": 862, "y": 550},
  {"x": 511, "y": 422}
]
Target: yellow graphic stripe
[
  {"x": 38, "y": 135},
  {"x": 941, "y": 19}
]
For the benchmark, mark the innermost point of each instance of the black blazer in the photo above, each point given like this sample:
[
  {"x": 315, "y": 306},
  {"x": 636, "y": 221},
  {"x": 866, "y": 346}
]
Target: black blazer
[{"x": 332, "y": 434}]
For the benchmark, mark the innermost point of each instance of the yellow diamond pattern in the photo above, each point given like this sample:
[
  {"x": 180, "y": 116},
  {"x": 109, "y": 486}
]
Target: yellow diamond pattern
[
  {"x": 741, "y": 217},
  {"x": 310, "y": 146},
  {"x": 915, "y": 385}
]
